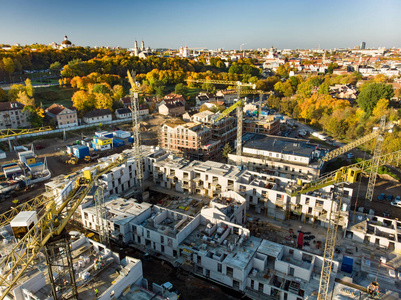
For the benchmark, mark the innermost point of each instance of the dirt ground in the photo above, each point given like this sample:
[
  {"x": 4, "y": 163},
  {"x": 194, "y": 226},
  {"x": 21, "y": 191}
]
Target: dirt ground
[{"x": 384, "y": 184}]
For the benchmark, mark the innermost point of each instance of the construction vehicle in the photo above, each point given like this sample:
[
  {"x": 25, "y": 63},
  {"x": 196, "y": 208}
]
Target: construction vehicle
[
  {"x": 89, "y": 158},
  {"x": 49, "y": 234},
  {"x": 238, "y": 105},
  {"x": 345, "y": 175},
  {"x": 73, "y": 160}
]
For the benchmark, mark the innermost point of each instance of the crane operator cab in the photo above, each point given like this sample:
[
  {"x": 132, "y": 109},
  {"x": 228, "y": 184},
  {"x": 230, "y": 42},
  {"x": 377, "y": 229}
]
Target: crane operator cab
[
  {"x": 353, "y": 175},
  {"x": 23, "y": 222}
]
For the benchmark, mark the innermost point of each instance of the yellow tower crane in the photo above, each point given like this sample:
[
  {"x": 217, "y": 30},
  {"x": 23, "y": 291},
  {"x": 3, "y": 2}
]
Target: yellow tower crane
[
  {"x": 238, "y": 105},
  {"x": 345, "y": 175},
  {"x": 48, "y": 234}
]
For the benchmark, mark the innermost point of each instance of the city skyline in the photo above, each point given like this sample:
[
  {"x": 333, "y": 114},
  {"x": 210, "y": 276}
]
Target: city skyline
[{"x": 211, "y": 24}]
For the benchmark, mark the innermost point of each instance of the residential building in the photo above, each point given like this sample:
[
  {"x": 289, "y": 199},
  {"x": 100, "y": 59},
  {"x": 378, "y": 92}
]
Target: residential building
[
  {"x": 229, "y": 96},
  {"x": 12, "y": 115},
  {"x": 123, "y": 113},
  {"x": 172, "y": 108},
  {"x": 97, "y": 116},
  {"x": 125, "y": 101},
  {"x": 267, "y": 125},
  {"x": 62, "y": 116},
  {"x": 279, "y": 156},
  {"x": 193, "y": 140}
]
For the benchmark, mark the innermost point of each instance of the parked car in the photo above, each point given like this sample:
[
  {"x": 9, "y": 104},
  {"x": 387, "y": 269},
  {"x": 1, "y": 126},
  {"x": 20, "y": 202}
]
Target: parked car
[
  {"x": 350, "y": 155},
  {"x": 389, "y": 197},
  {"x": 381, "y": 197},
  {"x": 396, "y": 203},
  {"x": 398, "y": 198}
]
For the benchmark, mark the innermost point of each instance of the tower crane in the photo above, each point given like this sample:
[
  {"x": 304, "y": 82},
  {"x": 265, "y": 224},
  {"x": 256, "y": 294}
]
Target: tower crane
[
  {"x": 138, "y": 189},
  {"x": 345, "y": 175},
  {"x": 238, "y": 105},
  {"x": 49, "y": 234}
]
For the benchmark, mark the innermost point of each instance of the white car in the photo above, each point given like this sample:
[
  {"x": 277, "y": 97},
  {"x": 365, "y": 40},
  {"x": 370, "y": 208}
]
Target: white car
[{"x": 396, "y": 203}]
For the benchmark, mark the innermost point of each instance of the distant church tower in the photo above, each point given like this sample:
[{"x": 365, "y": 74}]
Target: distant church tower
[
  {"x": 136, "y": 49},
  {"x": 143, "y": 46}
]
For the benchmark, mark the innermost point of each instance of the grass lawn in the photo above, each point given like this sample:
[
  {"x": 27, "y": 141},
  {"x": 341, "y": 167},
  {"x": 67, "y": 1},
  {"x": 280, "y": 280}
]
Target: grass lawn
[
  {"x": 192, "y": 92},
  {"x": 53, "y": 94}
]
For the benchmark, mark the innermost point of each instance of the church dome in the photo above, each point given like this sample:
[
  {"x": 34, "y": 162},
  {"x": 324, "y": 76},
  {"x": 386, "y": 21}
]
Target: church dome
[{"x": 66, "y": 41}]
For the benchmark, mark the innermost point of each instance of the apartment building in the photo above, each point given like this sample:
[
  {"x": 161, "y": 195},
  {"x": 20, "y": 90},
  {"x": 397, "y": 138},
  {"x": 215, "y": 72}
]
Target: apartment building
[
  {"x": 229, "y": 96},
  {"x": 192, "y": 140},
  {"x": 63, "y": 117},
  {"x": 268, "y": 125},
  {"x": 263, "y": 192},
  {"x": 97, "y": 116},
  {"x": 219, "y": 250},
  {"x": 279, "y": 156},
  {"x": 224, "y": 130},
  {"x": 11, "y": 115}
]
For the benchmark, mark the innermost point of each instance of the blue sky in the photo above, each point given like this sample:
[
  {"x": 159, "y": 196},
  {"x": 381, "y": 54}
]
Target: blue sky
[{"x": 207, "y": 23}]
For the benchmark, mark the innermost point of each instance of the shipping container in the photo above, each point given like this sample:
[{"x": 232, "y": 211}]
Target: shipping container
[
  {"x": 121, "y": 134},
  {"x": 103, "y": 141},
  {"x": 131, "y": 139},
  {"x": 118, "y": 143},
  {"x": 36, "y": 167},
  {"x": 104, "y": 134},
  {"x": 81, "y": 151},
  {"x": 11, "y": 172},
  {"x": 99, "y": 133},
  {"x": 2, "y": 154},
  {"x": 8, "y": 165}
]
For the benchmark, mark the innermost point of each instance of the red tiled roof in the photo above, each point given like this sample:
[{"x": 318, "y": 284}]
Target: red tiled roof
[
  {"x": 4, "y": 106},
  {"x": 55, "y": 108}
]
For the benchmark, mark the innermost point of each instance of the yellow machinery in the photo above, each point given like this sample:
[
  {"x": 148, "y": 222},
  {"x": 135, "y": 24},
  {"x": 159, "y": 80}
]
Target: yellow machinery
[
  {"x": 48, "y": 233},
  {"x": 73, "y": 160},
  {"x": 349, "y": 174},
  {"x": 238, "y": 105}
]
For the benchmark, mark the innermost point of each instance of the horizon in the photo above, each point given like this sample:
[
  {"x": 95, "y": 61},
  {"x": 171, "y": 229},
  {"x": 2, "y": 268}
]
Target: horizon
[{"x": 210, "y": 25}]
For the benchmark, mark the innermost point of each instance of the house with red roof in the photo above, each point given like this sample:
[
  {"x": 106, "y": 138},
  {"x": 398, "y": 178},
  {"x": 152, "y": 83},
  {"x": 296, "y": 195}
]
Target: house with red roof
[{"x": 63, "y": 117}]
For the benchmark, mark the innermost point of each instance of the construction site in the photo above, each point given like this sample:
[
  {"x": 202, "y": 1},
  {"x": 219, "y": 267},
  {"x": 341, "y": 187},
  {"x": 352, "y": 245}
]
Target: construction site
[{"x": 159, "y": 222}]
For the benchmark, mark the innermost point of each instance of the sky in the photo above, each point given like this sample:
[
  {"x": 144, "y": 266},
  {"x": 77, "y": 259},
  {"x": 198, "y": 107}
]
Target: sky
[{"x": 227, "y": 24}]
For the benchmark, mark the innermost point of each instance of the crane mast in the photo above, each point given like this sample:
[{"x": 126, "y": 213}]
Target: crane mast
[
  {"x": 375, "y": 163},
  {"x": 136, "y": 132},
  {"x": 238, "y": 105}
]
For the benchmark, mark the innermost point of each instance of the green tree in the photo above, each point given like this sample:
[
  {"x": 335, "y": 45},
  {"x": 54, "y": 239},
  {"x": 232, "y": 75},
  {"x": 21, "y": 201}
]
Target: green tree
[
  {"x": 181, "y": 89},
  {"x": 160, "y": 91},
  {"x": 3, "y": 96},
  {"x": 100, "y": 89},
  {"x": 227, "y": 150},
  {"x": 208, "y": 86},
  {"x": 9, "y": 65},
  {"x": 372, "y": 93},
  {"x": 55, "y": 67},
  {"x": 35, "y": 116}
]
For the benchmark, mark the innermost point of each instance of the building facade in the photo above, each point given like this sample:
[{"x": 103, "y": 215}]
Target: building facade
[
  {"x": 12, "y": 115},
  {"x": 62, "y": 116}
]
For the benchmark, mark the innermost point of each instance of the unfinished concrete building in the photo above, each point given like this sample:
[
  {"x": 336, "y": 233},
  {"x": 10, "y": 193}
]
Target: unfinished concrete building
[
  {"x": 192, "y": 140},
  {"x": 268, "y": 125},
  {"x": 280, "y": 156}
]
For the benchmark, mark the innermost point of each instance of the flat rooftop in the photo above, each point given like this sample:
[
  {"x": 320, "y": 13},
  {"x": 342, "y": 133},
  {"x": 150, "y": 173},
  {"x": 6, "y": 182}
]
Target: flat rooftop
[{"x": 277, "y": 144}]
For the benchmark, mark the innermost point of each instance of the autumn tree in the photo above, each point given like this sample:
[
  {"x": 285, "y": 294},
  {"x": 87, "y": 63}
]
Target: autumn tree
[
  {"x": 372, "y": 93},
  {"x": 83, "y": 101},
  {"x": 227, "y": 150},
  {"x": 380, "y": 108},
  {"x": 103, "y": 101},
  {"x": 35, "y": 115},
  {"x": 25, "y": 99},
  {"x": 118, "y": 92},
  {"x": 55, "y": 67}
]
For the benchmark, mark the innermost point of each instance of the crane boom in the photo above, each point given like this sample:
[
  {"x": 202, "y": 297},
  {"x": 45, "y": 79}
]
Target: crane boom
[
  {"x": 346, "y": 174},
  {"x": 50, "y": 224}
]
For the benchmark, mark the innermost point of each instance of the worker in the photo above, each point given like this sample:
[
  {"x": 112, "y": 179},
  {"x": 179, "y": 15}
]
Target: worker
[{"x": 96, "y": 292}]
